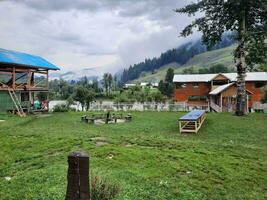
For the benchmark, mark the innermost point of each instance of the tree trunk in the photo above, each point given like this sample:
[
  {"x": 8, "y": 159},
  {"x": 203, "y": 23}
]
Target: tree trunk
[{"x": 241, "y": 70}]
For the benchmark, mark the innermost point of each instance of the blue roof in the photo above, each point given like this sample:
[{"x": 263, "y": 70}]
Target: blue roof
[
  {"x": 27, "y": 60},
  {"x": 193, "y": 115}
]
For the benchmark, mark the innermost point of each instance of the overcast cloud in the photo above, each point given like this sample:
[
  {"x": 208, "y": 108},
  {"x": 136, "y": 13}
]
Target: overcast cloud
[{"x": 105, "y": 35}]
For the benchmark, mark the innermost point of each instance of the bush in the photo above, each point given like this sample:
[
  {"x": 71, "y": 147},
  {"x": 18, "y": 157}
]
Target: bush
[
  {"x": 264, "y": 98},
  {"x": 102, "y": 190},
  {"x": 197, "y": 98},
  {"x": 61, "y": 108}
]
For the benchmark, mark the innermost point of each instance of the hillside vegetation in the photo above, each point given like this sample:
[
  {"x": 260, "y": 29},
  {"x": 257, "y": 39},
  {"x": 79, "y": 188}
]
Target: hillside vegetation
[
  {"x": 180, "y": 55},
  {"x": 221, "y": 56}
]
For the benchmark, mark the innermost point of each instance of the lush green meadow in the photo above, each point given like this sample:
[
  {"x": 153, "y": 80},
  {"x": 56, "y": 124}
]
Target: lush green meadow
[{"x": 147, "y": 157}]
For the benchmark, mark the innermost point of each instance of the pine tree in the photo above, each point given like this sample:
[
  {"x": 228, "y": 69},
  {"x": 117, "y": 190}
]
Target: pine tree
[{"x": 169, "y": 75}]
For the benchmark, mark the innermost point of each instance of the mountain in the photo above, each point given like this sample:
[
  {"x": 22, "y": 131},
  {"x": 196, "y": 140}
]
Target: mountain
[
  {"x": 207, "y": 59},
  {"x": 180, "y": 56},
  {"x": 75, "y": 75}
]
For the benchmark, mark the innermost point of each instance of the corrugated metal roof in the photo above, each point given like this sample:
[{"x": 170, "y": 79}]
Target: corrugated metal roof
[
  {"x": 183, "y": 78},
  {"x": 220, "y": 89},
  {"x": 144, "y": 84},
  {"x": 27, "y": 60},
  {"x": 251, "y": 76}
]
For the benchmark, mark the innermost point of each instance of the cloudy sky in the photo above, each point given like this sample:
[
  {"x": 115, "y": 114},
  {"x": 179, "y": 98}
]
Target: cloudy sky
[{"x": 92, "y": 36}]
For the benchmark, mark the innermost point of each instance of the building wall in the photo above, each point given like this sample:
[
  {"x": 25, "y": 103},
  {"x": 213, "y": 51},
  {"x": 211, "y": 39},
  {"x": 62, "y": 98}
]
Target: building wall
[
  {"x": 229, "y": 92},
  {"x": 6, "y": 102},
  {"x": 203, "y": 89},
  {"x": 220, "y": 77},
  {"x": 257, "y": 92},
  {"x": 183, "y": 93}
]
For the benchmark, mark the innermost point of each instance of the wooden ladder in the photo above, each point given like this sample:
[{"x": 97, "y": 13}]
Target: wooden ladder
[{"x": 16, "y": 102}]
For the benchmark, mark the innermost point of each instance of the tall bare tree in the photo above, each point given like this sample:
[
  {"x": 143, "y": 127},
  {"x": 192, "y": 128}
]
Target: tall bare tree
[
  {"x": 246, "y": 19},
  {"x": 105, "y": 82},
  {"x": 110, "y": 81}
]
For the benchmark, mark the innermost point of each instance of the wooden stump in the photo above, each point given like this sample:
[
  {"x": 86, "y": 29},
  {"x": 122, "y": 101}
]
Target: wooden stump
[{"x": 78, "y": 177}]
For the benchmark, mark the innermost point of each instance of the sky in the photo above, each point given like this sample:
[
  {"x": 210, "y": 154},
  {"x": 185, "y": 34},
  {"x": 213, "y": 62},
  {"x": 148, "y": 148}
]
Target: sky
[{"x": 90, "y": 37}]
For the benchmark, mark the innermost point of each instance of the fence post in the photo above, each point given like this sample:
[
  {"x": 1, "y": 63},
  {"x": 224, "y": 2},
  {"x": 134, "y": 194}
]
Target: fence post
[{"x": 78, "y": 177}]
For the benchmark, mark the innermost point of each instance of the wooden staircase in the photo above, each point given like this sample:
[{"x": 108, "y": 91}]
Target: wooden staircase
[
  {"x": 215, "y": 107},
  {"x": 16, "y": 102}
]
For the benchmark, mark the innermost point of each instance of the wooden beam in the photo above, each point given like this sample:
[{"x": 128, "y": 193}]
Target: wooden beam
[{"x": 5, "y": 72}]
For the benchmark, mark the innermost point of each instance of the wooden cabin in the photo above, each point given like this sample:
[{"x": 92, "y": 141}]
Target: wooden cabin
[
  {"x": 23, "y": 81},
  {"x": 217, "y": 92}
]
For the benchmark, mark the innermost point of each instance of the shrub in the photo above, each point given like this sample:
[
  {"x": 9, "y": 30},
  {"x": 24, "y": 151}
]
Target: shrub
[
  {"x": 197, "y": 98},
  {"x": 264, "y": 98},
  {"x": 102, "y": 190},
  {"x": 61, "y": 108}
]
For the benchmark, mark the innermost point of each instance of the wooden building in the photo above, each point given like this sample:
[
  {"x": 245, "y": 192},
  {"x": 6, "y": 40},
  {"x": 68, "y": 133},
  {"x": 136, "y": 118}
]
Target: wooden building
[
  {"x": 217, "y": 91},
  {"x": 23, "y": 80}
]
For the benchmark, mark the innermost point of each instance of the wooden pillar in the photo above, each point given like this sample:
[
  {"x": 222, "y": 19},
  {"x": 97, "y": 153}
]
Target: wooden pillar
[
  {"x": 78, "y": 177},
  {"x": 29, "y": 79},
  {"x": 47, "y": 86},
  {"x": 47, "y": 81},
  {"x": 247, "y": 103},
  {"x": 13, "y": 78},
  {"x": 221, "y": 101}
]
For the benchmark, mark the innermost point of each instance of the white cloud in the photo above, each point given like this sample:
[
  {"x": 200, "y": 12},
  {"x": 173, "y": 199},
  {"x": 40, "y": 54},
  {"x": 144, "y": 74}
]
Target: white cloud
[{"x": 106, "y": 34}]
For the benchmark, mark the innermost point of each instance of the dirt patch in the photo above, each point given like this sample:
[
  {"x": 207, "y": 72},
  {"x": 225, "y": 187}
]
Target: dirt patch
[
  {"x": 102, "y": 121},
  {"x": 43, "y": 115},
  {"x": 99, "y": 141}
]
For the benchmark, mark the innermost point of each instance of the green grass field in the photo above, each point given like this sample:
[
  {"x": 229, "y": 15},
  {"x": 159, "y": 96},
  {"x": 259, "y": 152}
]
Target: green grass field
[{"x": 151, "y": 160}]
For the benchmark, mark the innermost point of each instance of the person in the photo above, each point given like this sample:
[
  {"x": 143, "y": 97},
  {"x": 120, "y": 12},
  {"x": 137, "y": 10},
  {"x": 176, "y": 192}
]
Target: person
[
  {"x": 44, "y": 104},
  {"x": 36, "y": 104}
]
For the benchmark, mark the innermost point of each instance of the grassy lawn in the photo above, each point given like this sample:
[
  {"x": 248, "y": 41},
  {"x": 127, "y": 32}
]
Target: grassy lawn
[{"x": 151, "y": 160}]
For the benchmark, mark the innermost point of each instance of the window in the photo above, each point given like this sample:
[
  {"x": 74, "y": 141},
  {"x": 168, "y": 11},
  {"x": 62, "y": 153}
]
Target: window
[
  {"x": 184, "y": 85},
  {"x": 195, "y": 85},
  {"x": 259, "y": 84},
  {"x": 180, "y": 85}
]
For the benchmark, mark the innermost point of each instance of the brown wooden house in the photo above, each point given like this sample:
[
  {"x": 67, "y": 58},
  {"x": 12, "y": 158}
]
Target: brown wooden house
[
  {"x": 23, "y": 80},
  {"x": 217, "y": 91}
]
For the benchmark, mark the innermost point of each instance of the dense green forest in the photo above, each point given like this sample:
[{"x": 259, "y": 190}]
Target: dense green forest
[{"x": 179, "y": 55}]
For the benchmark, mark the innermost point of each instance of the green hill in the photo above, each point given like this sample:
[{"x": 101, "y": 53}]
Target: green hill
[{"x": 221, "y": 56}]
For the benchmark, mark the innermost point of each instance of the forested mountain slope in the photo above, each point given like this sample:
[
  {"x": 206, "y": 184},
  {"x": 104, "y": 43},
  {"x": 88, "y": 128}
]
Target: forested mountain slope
[
  {"x": 180, "y": 55},
  {"x": 221, "y": 56}
]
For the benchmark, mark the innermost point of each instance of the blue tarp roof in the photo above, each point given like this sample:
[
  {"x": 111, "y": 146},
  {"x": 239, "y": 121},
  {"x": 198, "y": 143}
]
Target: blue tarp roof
[
  {"x": 27, "y": 60},
  {"x": 193, "y": 115}
]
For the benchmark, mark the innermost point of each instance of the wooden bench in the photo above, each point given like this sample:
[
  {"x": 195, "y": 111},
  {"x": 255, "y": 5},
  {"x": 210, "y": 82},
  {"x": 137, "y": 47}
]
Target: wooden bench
[
  {"x": 192, "y": 121},
  {"x": 128, "y": 117},
  {"x": 83, "y": 118}
]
